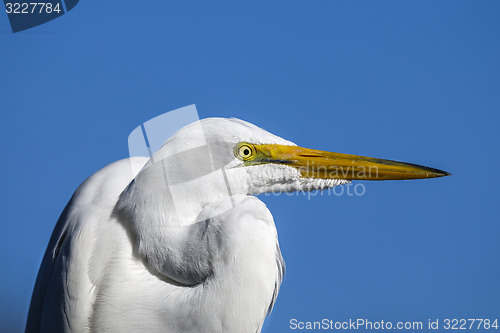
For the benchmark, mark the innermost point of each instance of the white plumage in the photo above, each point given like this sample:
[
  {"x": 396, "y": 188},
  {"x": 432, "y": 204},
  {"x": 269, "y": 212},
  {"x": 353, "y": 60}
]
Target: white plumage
[{"x": 180, "y": 247}]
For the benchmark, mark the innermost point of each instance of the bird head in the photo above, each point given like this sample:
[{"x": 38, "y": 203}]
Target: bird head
[{"x": 218, "y": 157}]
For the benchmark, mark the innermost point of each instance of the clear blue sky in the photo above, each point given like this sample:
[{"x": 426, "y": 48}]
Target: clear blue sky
[{"x": 417, "y": 81}]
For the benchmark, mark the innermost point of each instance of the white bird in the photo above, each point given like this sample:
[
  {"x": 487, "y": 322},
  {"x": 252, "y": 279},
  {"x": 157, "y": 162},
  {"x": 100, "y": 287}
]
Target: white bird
[{"x": 184, "y": 246}]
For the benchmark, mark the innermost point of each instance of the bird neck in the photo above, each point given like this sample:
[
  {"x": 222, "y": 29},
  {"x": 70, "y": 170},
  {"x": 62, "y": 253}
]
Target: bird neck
[
  {"x": 228, "y": 253},
  {"x": 167, "y": 234}
]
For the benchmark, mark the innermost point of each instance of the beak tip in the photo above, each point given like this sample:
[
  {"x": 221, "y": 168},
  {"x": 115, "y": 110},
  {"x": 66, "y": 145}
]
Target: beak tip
[{"x": 443, "y": 174}]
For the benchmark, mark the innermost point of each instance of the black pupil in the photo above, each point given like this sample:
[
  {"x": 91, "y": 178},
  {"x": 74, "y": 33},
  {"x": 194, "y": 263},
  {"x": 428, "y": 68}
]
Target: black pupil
[{"x": 246, "y": 151}]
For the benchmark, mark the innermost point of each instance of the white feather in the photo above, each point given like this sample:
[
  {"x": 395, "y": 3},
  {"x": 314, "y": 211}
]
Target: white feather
[{"x": 179, "y": 247}]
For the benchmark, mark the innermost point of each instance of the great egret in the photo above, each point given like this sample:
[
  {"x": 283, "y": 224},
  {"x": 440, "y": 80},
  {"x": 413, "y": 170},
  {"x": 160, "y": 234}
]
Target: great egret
[{"x": 183, "y": 246}]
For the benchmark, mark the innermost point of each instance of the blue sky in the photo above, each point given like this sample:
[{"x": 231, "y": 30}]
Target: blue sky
[{"x": 416, "y": 81}]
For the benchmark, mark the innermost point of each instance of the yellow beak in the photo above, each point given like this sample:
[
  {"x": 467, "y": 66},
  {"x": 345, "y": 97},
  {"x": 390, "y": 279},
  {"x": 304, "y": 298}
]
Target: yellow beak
[{"x": 313, "y": 163}]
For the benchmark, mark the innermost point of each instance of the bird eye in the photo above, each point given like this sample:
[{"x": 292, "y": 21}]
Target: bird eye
[{"x": 244, "y": 151}]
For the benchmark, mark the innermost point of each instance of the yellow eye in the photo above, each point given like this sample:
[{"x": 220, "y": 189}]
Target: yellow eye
[{"x": 244, "y": 151}]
